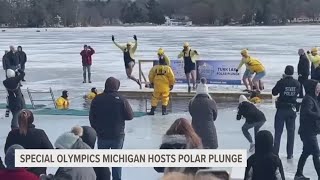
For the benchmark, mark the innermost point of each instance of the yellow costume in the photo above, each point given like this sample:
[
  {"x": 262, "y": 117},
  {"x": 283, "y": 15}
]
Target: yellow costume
[
  {"x": 162, "y": 77},
  {"x": 314, "y": 57},
  {"x": 253, "y": 64},
  {"x": 124, "y": 49},
  {"x": 62, "y": 103},
  {"x": 256, "y": 100},
  {"x": 91, "y": 95},
  {"x": 188, "y": 53},
  {"x": 164, "y": 57}
]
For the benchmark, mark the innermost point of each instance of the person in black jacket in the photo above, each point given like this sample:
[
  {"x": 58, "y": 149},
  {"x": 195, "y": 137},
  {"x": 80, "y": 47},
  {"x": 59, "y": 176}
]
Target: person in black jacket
[
  {"x": 108, "y": 113},
  {"x": 29, "y": 137},
  {"x": 288, "y": 89},
  {"x": 13, "y": 59},
  {"x": 89, "y": 136},
  {"x": 22, "y": 57},
  {"x": 254, "y": 118},
  {"x": 16, "y": 100},
  {"x": 303, "y": 70},
  {"x": 264, "y": 164},
  {"x": 309, "y": 128}
]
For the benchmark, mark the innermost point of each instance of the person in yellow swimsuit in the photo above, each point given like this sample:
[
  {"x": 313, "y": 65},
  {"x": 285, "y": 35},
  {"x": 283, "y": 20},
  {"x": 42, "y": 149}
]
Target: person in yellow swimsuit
[
  {"x": 63, "y": 101},
  {"x": 161, "y": 77},
  {"x": 189, "y": 57},
  {"x": 128, "y": 57},
  {"x": 255, "y": 66}
]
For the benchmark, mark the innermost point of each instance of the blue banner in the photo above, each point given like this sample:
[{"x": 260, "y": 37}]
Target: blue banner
[{"x": 215, "y": 71}]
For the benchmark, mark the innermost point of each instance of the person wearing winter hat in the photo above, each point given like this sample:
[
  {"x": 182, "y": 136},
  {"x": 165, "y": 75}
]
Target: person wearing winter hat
[
  {"x": 254, "y": 118},
  {"x": 12, "y": 172},
  {"x": 204, "y": 112},
  {"x": 89, "y": 136},
  {"x": 309, "y": 128},
  {"x": 264, "y": 164},
  {"x": 28, "y": 136},
  {"x": 128, "y": 56},
  {"x": 72, "y": 140},
  {"x": 303, "y": 70},
  {"x": 63, "y": 102},
  {"x": 15, "y": 97},
  {"x": 108, "y": 113},
  {"x": 189, "y": 58},
  {"x": 288, "y": 90}
]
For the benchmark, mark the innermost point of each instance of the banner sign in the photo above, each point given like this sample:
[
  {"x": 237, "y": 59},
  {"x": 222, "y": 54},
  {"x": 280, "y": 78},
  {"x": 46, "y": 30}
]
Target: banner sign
[
  {"x": 219, "y": 72},
  {"x": 215, "y": 71}
]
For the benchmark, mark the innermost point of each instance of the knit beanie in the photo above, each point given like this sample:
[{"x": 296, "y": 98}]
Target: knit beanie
[
  {"x": 66, "y": 140},
  {"x": 77, "y": 130},
  {"x": 289, "y": 70},
  {"x": 10, "y": 155}
]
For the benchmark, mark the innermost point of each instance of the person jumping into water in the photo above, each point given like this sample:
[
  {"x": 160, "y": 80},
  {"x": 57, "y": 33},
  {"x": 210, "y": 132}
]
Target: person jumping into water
[
  {"x": 189, "y": 64},
  {"x": 128, "y": 57},
  {"x": 255, "y": 66}
]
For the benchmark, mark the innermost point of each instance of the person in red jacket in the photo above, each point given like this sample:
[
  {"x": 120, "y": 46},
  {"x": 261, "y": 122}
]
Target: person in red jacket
[
  {"x": 13, "y": 173},
  {"x": 86, "y": 55}
]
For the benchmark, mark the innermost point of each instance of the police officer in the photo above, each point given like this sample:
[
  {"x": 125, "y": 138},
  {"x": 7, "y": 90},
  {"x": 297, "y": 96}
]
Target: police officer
[{"x": 288, "y": 89}]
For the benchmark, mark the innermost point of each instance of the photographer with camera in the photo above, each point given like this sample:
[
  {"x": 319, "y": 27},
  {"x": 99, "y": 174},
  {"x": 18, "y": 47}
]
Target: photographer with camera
[{"x": 15, "y": 97}]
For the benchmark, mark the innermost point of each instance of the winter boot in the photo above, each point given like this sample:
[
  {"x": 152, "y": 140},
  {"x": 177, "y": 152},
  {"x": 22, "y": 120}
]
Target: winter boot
[
  {"x": 300, "y": 177},
  {"x": 164, "y": 110},
  {"x": 151, "y": 113}
]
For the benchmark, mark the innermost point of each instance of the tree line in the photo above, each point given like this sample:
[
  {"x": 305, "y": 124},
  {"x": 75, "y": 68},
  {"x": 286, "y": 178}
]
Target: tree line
[{"x": 48, "y": 13}]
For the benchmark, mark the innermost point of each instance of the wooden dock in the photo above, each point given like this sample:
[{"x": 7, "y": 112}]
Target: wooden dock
[{"x": 219, "y": 96}]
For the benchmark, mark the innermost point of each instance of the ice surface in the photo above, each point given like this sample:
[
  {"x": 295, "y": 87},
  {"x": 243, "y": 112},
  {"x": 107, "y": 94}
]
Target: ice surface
[{"x": 54, "y": 61}]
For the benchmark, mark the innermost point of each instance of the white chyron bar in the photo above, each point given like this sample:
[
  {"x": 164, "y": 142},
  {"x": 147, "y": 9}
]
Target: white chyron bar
[{"x": 130, "y": 158}]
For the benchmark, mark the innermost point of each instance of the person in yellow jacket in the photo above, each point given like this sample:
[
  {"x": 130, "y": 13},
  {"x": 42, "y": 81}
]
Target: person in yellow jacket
[
  {"x": 128, "y": 57},
  {"x": 63, "y": 102},
  {"x": 314, "y": 58},
  {"x": 247, "y": 75},
  {"x": 162, "y": 55},
  {"x": 255, "y": 66},
  {"x": 162, "y": 79},
  {"x": 189, "y": 57},
  {"x": 92, "y": 94}
]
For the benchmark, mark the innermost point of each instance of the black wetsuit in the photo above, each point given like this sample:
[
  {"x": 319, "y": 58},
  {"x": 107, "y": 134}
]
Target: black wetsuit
[
  {"x": 127, "y": 58},
  {"x": 189, "y": 65}
]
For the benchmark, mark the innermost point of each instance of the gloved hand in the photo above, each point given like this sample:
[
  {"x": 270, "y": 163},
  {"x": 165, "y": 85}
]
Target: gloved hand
[
  {"x": 135, "y": 37},
  {"x": 195, "y": 51},
  {"x": 112, "y": 37},
  {"x": 171, "y": 87},
  {"x": 308, "y": 52},
  {"x": 239, "y": 117},
  {"x": 237, "y": 70}
]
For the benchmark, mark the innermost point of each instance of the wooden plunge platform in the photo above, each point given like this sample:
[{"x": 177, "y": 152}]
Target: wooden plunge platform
[{"x": 219, "y": 96}]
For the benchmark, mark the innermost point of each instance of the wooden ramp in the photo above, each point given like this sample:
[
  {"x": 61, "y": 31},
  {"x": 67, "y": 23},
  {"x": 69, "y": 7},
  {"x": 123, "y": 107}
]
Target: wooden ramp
[{"x": 220, "y": 96}]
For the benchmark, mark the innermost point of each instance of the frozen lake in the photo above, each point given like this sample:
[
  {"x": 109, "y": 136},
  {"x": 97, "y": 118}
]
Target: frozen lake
[{"x": 54, "y": 61}]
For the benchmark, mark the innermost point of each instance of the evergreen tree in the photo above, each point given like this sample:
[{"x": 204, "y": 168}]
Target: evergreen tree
[{"x": 155, "y": 13}]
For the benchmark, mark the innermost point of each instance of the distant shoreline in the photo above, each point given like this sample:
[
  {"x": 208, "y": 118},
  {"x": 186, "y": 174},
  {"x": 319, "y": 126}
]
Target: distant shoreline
[{"x": 152, "y": 25}]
